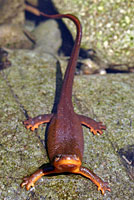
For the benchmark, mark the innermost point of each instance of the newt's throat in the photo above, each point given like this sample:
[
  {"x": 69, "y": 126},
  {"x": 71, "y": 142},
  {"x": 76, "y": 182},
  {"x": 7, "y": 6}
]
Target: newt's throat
[{"x": 67, "y": 163}]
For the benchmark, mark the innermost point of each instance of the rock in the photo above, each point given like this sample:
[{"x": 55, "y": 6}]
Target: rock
[
  {"x": 13, "y": 36},
  {"x": 28, "y": 86},
  {"x": 12, "y": 33},
  {"x": 48, "y": 38},
  {"x": 12, "y": 11},
  {"x": 33, "y": 2},
  {"x": 103, "y": 31}
]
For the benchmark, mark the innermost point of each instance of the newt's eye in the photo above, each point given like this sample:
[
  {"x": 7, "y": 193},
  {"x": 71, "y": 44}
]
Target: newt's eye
[{"x": 57, "y": 158}]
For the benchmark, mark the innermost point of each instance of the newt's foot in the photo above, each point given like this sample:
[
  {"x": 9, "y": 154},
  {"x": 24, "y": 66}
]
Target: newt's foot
[
  {"x": 30, "y": 124},
  {"x": 27, "y": 182},
  {"x": 104, "y": 187},
  {"x": 97, "y": 127}
]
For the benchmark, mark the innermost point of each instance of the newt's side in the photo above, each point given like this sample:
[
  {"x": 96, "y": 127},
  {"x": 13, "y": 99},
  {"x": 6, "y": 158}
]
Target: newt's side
[{"x": 65, "y": 142}]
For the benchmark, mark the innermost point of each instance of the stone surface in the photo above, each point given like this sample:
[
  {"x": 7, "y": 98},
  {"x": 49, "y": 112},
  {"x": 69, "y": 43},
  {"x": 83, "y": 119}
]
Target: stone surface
[{"x": 29, "y": 85}]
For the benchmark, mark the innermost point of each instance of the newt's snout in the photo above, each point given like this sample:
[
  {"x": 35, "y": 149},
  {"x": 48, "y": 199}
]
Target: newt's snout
[{"x": 67, "y": 163}]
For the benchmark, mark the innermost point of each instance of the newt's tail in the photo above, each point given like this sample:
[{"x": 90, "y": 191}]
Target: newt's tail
[{"x": 66, "y": 92}]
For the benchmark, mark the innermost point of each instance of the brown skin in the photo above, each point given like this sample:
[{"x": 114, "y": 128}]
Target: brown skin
[{"x": 65, "y": 142}]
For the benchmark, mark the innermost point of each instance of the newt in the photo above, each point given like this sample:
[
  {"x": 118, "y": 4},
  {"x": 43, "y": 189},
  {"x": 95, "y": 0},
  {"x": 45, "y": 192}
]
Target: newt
[{"x": 65, "y": 143}]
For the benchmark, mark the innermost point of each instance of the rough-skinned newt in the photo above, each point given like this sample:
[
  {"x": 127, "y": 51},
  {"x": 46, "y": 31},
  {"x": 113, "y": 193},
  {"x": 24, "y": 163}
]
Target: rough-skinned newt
[{"x": 65, "y": 144}]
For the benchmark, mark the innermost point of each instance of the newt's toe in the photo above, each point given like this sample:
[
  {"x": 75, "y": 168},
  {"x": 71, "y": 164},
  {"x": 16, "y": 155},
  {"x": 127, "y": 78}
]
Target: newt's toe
[
  {"x": 27, "y": 183},
  {"x": 104, "y": 188},
  {"x": 98, "y": 128},
  {"x": 29, "y": 124}
]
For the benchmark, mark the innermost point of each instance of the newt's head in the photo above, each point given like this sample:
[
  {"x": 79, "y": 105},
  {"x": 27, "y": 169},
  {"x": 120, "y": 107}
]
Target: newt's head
[{"x": 67, "y": 163}]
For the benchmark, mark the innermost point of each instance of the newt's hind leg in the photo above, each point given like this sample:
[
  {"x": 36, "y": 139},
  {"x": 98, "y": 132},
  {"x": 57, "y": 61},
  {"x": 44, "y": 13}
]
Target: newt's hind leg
[
  {"x": 33, "y": 123},
  {"x": 92, "y": 124}
]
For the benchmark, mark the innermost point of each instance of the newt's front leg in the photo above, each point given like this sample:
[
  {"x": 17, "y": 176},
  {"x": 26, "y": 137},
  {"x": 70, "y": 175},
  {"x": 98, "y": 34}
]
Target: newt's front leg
[
  {"x": 92, "y": 124},
  {"x": 33, "y": 123},
  {"x": 103, "y": 186},
  {"x": 29, "y": 181}
]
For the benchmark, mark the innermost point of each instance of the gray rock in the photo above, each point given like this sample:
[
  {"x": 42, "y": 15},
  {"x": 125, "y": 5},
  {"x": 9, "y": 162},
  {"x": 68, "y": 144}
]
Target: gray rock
[{"x": 48, "y": 38}]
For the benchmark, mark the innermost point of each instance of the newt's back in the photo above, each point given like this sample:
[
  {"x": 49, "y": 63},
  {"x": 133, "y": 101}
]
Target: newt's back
[{"x": 65, "y": 135}]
